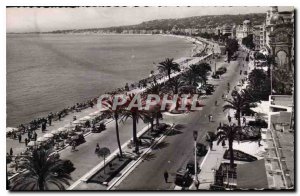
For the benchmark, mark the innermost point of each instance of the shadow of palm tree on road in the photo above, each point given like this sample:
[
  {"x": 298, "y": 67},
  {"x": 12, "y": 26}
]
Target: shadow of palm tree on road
[
  {"x": 160, "y": 145},
  {"x": 173, "y": 132},
  {"x": 149, "y": 156}
]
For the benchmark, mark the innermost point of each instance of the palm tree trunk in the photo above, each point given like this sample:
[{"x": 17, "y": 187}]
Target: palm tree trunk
[
  {"x": 230, "y": 143},
  {"x": 239, "y": 117},
  {"x": 151, "y": 122},
  {"x": 41, "y": 184},
  {"x": 135, "y": 140},
  {"x": 157, "y": 119},
  {"x": 169, "y": 74},
  {"x": 117, "y": 134}
]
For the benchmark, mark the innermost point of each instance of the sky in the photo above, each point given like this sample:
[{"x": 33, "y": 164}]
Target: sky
[{"x": 49, "y": 19}]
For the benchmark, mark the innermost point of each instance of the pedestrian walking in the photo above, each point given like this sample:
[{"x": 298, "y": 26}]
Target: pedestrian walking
[
  {"x": 211, "y": 145},
  {"x": 59, "y": 116},
  {"x": 166, "y": 176},
  {"x": 20, "y": 137},
  {"x": 26, "y": 142},
  {"x": 241, "y": 72},
  {"x": 244, "y": 120},
  {"x": 197, "y": 184},
  {"x": 35, "y": 136},
  {"x": 229, "y": 118},
  {"x": 73, "y": 146},
  {"x": 216, "y": 103},
  {"x": 11, "y": 152},
  {"x": 210, "y": 118},
  {"x": 50, "y": 120},
  {"x": 223, "y": 143},
  {"x": 97, "y": 148}
]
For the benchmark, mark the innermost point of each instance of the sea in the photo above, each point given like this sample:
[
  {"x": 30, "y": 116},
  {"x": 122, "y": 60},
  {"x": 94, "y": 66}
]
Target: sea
[{"x": 48, "y": 72}]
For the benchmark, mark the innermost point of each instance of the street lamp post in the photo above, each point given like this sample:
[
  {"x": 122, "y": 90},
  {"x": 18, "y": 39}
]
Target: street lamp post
[
  {"x": 271, "y": 66},
  {"x": 195, "y": 135}
]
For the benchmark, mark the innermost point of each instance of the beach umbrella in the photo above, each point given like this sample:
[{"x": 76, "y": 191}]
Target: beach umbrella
[
  {"x": 41, "y": 139},
  {"x": 48, "y": 135},
  {"x": 70, "y": 126},
  {"x": 55, "y": 132},
  {"x": 84, "y": 119},
  {"x": 95, "y": 113},
  {"x": 74, "y": 137},
  {"x": 87, "y": 118},
  {"x": 11, "y": 129},
  {"x": 61, "y": 129},
  {"x": 32, "y": 143},
  {"x": 76, "y": 122}
]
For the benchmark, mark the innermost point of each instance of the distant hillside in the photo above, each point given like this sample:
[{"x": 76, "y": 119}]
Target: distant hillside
[{"x": 197, "y": 22}]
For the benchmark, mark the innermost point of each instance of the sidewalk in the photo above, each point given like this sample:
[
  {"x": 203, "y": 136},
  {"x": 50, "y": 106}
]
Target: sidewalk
[
  {"x": 211, "y": 162},
  {"x": 19, "y": 147}
]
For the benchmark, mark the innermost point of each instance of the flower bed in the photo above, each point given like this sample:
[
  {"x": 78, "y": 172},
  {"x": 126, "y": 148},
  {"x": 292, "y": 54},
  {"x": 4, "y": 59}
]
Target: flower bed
[
  {"x": 110, "y": 170},
  {"x": 239, "y": 156}
]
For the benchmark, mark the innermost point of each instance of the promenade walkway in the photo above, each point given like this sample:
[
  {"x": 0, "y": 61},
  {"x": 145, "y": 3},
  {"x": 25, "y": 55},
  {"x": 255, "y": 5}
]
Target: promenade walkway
[
  {"x": 210, "y": 164},
  {"x": 19, "y": 147}
]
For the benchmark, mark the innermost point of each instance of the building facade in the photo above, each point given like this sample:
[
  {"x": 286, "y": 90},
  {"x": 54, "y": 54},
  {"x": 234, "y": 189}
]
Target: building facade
[
  {"x": 243, "y": 30},
  {"x": 279, "y": 36}
]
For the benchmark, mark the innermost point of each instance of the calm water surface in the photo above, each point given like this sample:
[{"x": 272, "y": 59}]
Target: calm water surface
[{"x": 49, "y": 72}]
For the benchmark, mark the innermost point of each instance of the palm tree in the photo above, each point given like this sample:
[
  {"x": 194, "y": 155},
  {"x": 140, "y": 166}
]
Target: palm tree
[
  {"x": 155, "y": 110},
  {"x": 168, "y": 66},
  {"x": 135, "y": 114},
  {"x": 239, "y": 103},
  {"x": 204, "y": 68},
  {"x": 230, "y": 133},
  {"x": 42, "y": 170},
  {"x": 175, "y": 83},
  {"x": 154, "y": 89},
  {"x": 149, "y": 117},
  {"x": 191, "y": 78},
  {"x": 115, "y": 114}
]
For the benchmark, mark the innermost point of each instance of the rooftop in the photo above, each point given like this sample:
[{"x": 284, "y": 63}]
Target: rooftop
[{"x": 282, "y": 100}]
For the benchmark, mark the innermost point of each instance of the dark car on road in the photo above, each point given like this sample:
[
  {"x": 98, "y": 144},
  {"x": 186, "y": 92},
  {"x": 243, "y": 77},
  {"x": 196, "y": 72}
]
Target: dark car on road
[
  {"x": 208, "y": 88},
  {"x": 190, "y": 166},
  {"x": 221, "y": 71},
  {"x": 99, "y": 128},
  {"x": 201, "y": 150},
  {"x": 183, "y": 177}
]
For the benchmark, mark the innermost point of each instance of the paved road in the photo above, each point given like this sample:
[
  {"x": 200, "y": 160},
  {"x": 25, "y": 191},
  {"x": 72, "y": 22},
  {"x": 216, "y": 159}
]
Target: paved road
[
  {"x": 177, "y": 150},
  {"x": 85, "y": 159}
]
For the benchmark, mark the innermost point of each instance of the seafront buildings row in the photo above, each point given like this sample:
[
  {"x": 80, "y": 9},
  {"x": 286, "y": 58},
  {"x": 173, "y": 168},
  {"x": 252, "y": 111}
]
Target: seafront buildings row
[{"x": 275, "y": 34}]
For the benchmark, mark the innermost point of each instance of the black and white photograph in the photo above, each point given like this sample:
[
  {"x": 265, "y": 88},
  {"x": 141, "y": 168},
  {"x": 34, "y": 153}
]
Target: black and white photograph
[{"x": 150, "y": 98}]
